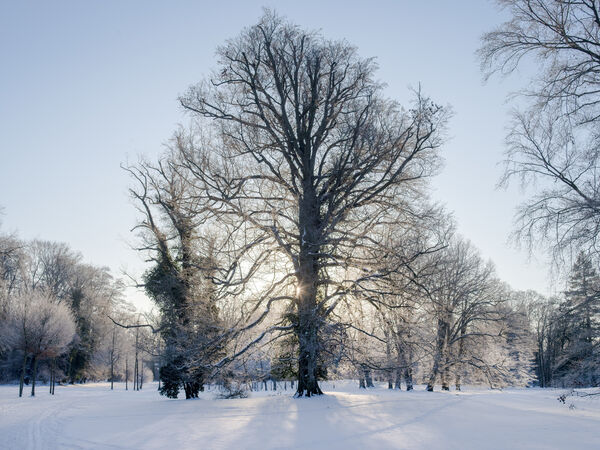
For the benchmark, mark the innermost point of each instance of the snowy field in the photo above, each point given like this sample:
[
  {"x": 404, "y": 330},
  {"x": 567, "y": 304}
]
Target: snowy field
[{"x": 92, "y": 416}]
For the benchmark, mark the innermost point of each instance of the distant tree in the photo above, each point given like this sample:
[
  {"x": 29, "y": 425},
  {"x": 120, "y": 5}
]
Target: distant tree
[
  {"x": 92, "y": 295},
  {"x": 578, "y": 320},
  {"x": 90, "y": 292},
  {"x": 567, "y": 329},
  {"x": 40, "y": 327},
  {"x": 464, "y": 299},
  {"x": 539, "y": 311}
]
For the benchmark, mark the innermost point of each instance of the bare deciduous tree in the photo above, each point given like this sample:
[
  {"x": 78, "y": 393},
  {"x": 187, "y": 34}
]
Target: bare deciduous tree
[
  {"x": 464, "y": 301},
  {"x": 308, "y": 154},
  {"x": 555, "y": 143}
]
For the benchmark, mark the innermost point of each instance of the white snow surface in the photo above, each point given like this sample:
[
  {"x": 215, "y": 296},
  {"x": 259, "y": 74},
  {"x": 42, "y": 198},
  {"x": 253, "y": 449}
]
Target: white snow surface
[{"x": 94, "y": 417}]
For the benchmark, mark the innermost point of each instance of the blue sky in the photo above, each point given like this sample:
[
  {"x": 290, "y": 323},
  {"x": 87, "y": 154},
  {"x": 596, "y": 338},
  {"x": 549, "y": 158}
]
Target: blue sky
[{"x": 86, "y": 86}]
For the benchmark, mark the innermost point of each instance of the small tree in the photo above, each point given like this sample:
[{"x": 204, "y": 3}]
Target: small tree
[{"x": 40, "y": 327}]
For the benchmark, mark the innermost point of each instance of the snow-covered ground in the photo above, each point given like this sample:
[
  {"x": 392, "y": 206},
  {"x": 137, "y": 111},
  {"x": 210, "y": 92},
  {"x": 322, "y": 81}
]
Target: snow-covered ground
[{"x": 91, "y": 416}]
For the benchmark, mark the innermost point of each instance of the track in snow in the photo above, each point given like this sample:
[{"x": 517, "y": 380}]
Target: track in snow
[{"x": 92, "y": 416}]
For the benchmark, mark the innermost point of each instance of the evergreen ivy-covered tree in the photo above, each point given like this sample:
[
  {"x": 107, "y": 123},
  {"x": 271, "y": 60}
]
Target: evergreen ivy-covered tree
[{"x": 180, "y": 279}]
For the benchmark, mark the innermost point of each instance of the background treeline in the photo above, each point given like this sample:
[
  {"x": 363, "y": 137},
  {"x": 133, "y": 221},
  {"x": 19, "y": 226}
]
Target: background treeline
[
  {"x": 54, "y": 318},
  {"x": 457, "y": 324}
]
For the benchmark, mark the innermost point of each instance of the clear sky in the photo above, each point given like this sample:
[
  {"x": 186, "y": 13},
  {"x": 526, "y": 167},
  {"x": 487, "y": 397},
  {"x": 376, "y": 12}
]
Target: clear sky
[{"x": 86, "y": 86}]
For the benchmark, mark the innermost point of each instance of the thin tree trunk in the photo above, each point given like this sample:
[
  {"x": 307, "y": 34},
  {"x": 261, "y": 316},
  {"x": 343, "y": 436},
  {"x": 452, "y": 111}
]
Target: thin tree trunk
[
  {"x": 136, "y": 366},
  {"x": 35, "y": 364},
  {"x": 127, "y": 374},
  {"x": 461, "y": 349},
  {"x": 68, "y": 374},
  {"x": 388, "y": 354},
  {"x": 112, "y": 360},
  {"x": 51, "y": 383},
  {"x": 23, "y": 370},
  {"x": 53, "y": 375},
  {"x": 408, "y": 360}
]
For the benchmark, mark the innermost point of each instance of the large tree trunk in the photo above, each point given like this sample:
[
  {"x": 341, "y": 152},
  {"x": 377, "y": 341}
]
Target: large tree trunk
[
  {"x": 307, "y": 361},
  {"x": 309, "y": 320}
]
